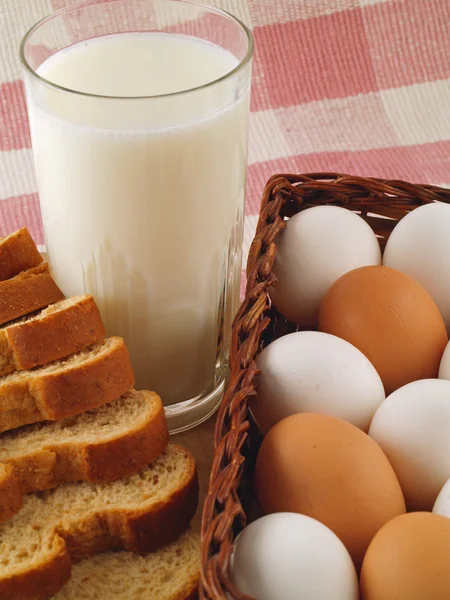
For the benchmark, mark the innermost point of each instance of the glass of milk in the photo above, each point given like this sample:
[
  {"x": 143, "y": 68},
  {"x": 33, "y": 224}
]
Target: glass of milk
[{"x": 139, "y": 119}]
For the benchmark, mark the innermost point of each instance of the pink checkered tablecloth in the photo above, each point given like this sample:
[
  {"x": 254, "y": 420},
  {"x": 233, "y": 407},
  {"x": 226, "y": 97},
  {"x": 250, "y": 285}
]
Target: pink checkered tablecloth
[{"x": 357, "y": 86}]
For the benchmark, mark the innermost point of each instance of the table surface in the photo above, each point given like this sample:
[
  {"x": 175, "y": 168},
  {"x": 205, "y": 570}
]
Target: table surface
[
  {"x": 200, "y": 442},
  {"x": 351, "y": 86}
]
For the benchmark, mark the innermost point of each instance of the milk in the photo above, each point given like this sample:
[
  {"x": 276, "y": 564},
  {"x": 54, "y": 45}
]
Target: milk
[{"x": 142, "y": 199}]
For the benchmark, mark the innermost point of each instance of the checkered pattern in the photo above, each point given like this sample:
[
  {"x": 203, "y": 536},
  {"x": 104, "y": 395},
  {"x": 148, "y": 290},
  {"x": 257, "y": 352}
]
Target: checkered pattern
[{"x": 357, "y": 86}]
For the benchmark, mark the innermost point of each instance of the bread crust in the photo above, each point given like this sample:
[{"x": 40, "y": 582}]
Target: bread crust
[
  {"x": 29, "y": 344},
  {"x": 191, "y": 590},
  {"x": 18, "y": 253},
  {"x": 67, "y": 391},
  {"x": 112, "y": 529},
  {"x": 27, "y": 292},
  {"x": 145, "y": 532},
  {"x": 108, "y": 460},
  {"x": 10, "y": 492}
]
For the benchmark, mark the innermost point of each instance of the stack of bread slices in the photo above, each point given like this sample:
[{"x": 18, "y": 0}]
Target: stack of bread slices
[{"x": 95, "y": 504}]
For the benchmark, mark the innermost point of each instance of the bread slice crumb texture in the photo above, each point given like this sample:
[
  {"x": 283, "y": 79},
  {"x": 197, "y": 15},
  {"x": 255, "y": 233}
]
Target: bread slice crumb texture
[
  {"x": 171, "y": 573},
  {"x": 107, "y": 423}
]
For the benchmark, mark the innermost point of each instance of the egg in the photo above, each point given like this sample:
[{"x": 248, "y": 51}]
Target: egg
[
  {"x": 409, "y": 559},
  {"x": 412, "y": 426},
  {"x": 318, "y": 245},
  {"x": 444, "y": 367},
  {"x": 420, "y": 246},
  {"x": 285, "y": 556},
  {"x": 442, "y": 504},
  {"x": 391, "y": 319},
  {"x": 309, "y": 371},
  {"x": 330, "y": 470}
]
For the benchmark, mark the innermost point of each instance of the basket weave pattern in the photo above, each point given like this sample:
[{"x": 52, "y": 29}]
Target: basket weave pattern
[{"x": 382, "y": 204}]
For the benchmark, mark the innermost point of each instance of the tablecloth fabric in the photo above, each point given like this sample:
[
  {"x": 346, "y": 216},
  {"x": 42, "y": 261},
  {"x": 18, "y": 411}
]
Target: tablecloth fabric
[{"x": 356, "y": 86}]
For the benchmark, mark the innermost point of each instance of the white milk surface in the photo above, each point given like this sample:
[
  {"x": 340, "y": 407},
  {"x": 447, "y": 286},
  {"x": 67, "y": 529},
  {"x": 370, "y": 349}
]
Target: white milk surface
[{"x": 140, "y": 197}]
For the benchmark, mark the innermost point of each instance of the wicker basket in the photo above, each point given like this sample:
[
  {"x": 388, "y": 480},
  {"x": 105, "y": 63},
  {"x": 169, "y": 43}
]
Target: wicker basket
[{"x": 257, "y": 323}]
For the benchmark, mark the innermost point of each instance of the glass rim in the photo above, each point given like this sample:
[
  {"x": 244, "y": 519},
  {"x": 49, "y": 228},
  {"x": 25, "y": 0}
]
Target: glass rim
[{"x": 66, "y": 10}]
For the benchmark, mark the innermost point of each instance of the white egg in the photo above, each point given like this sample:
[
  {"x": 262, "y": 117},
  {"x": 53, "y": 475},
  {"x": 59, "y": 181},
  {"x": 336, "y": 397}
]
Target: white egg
[
  {"x": 412, "y": 426},
  {"x": 310, "y": 371},
  {"x": 420, "y": 247},
  {"x": 287, "y": 556},
  {"x": 444, "y": 368},
  {"x": 318, "y": 246},
  {"x": 442, "y": 504}
]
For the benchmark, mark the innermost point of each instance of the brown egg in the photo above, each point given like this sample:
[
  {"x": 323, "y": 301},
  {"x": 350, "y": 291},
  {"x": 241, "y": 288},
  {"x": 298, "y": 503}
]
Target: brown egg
[
  {"x": 330, "y": 470},
  {"x": 409, "y": 559},
  {"x": 389, "y": 317}
]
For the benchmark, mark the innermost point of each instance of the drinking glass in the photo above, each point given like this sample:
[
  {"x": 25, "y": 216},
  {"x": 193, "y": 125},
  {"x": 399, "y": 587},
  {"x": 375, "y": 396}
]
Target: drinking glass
[{"x": 139, "y": 119}]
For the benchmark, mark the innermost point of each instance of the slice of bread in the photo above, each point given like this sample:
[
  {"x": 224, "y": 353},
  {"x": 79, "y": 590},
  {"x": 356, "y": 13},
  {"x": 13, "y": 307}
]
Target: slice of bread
[
  {"x": 77, "y": 520},
  {"x": 27, "y": 292},
  {"x": 171, "y": 573},
  {"x": 64, "y": 328},
  {"x": 114, "y": 441},
  {"x": 18, "y": 253},
  {"x": 66, "y": 388}
]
